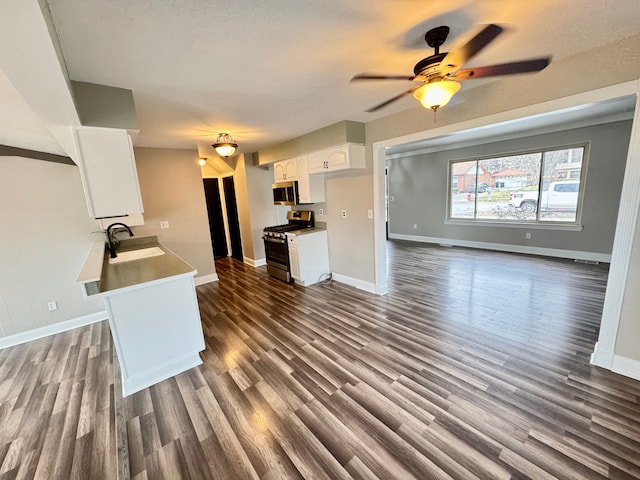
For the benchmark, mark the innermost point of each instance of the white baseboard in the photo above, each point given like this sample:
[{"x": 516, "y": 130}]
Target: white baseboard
[
  {"x": 355, "y": 282},
  {"x": 626, "y": 366},
  {"x": 547, "y": 252},
  {"x": 159, "y": 373},
  {"x": 255, "y": 263},
  {"x": 36, "y": 333},
  {"x": 602, "y": 358},
  {"x": 213, "y": 277}
]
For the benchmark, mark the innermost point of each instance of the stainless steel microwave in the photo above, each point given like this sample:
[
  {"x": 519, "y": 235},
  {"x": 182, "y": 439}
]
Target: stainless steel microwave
[{"x": 285, "y": 193}]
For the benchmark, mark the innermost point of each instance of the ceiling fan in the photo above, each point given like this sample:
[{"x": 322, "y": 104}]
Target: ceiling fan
[{"x": 438, "y": 74}]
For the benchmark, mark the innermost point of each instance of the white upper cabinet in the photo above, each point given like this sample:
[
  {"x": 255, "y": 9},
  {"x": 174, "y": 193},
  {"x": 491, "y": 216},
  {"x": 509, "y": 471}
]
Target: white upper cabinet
[
  {"x": 337, "y": 158},
  {"x": 108, "y": 171},
  {"x": 286, "y": 170},
  {"x": 310, "y": 187}
]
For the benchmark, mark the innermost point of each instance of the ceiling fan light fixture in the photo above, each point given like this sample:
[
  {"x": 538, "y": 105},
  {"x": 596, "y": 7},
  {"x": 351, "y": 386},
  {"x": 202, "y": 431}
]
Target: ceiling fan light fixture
[
  {"x": 436, "y": 94},
  {"x": 225, "y": 146}
]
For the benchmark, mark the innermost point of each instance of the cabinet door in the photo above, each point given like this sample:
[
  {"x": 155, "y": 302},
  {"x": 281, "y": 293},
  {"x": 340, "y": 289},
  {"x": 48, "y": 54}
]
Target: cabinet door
[
  {"x": 108, "y": 171},
  {"x": 316, "y": 161},
  {"x": 338, "y": 158},
  {"x": 294, "y": 261},
  {"x": 310, "y": 187},
  {"x": 279, "y": 171},
  {"x": 291, "y": 170}
]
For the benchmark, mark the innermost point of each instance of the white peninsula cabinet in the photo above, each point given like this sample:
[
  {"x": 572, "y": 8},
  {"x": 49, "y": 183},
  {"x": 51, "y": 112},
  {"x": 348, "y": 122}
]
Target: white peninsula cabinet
[
  {"x": 108, "y": 171},
  {"x": 308, "y": 256},
  {"x": 337, "y": 158},
  {"x": 152, "y": 308}
]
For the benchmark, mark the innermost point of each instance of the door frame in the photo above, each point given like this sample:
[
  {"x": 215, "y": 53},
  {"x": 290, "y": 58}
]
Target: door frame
[{"x": 603, "y": 354}]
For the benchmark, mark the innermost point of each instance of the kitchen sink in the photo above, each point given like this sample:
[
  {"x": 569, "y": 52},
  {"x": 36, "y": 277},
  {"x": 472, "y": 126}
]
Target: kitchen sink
[{"x": 137, "y": 254}]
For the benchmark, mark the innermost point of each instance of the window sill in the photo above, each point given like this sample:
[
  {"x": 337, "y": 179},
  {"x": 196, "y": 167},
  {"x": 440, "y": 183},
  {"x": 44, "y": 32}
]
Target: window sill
[{"x": 533, "y": 226}]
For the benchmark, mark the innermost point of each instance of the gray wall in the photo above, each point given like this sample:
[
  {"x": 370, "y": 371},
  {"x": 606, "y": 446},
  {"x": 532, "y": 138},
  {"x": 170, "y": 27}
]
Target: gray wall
[
  {"x": 332, "y": 135},
  {"x": 172, "y": 190},
  {"x": 45, "y": 236},
  {"x": 419, "y": 187}
]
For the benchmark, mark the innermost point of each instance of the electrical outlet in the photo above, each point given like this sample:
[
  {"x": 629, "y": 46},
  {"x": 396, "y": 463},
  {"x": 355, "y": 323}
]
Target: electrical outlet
[
  {"x": 164, "y": 224},
  {"x": 527, "y": 236},
  {"x": 320, "y": 212},
  {"x": 52, "y": 306},
  {"x": 344, "y": 214},
  {"x": 369, "y": 214},
  {"x": 392, "y": 199},
  {"x": 415, "y": 226}
]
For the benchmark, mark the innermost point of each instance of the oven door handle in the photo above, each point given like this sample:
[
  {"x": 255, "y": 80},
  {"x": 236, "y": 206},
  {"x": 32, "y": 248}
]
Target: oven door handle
[{"x": 274, "y": 240}]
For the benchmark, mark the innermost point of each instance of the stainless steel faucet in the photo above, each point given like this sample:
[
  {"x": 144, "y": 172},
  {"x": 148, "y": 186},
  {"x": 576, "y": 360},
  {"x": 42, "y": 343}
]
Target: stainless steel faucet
[{"x": 112, "y": 241}]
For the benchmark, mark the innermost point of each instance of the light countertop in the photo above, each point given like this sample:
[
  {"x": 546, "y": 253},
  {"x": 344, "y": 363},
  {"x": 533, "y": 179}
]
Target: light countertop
[{"x": 127, "y": 275}]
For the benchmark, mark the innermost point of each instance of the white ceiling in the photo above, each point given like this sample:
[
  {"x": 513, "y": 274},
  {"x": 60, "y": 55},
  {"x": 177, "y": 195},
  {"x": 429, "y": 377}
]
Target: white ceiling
[{"x": 270, "y": 71}]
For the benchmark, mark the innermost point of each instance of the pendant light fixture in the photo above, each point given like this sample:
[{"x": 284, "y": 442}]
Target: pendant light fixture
[
  {"x": 225, "y": 146},
  {"x": 202, "y": 161}
]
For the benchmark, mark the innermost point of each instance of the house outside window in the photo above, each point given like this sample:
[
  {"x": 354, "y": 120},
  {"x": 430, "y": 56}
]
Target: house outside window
[{"x": 543, "y": 186}]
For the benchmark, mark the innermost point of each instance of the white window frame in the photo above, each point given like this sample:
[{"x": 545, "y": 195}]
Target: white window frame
[{"x": 538, "y": 222}]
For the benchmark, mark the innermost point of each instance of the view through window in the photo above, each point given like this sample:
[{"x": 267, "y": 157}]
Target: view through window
[{"x": 541, "y": 186}]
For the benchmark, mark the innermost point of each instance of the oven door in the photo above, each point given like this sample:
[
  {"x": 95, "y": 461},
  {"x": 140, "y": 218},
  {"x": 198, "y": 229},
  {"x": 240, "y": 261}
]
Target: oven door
[{"x": 277, "y": 254}]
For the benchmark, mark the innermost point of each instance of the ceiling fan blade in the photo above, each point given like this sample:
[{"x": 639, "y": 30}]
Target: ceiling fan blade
[
  {"x": 456, "y": 58},
  {"x": 368, "y": 76},
  {"x": 391, "y": 100},
  {"x": 525, "y": 66}
]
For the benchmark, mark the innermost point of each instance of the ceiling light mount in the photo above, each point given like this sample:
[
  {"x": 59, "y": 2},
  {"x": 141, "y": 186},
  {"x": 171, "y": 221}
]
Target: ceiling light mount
[{"x": 225, "y": 146}]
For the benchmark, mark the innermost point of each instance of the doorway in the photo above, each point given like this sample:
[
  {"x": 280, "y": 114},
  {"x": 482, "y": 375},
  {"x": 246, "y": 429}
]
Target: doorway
[
  {"x": 216, "y": 220},
  {"x": 232, "y": 218}
]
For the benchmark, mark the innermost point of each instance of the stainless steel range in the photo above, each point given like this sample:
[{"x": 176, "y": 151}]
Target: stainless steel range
[{"x": 275, "y": 243}]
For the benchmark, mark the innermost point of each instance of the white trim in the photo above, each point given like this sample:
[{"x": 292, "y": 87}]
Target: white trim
[
  {"x": 36, "y": 333},
  {"x": 255, "y": 263},
  {"x": 212, "y": 277},
  {"x": 159, "y": 373},
  {"x": 547, "y": 252},
  {"x": 621, "y": 252},
  {"x": 355, "y": 282},
  {"x": 627, "y": 214},
  {"x": 626, "y": 366}
]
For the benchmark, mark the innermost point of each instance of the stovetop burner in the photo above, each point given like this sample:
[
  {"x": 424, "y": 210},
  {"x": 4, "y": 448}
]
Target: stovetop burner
[{"x": 298, "y": 220}]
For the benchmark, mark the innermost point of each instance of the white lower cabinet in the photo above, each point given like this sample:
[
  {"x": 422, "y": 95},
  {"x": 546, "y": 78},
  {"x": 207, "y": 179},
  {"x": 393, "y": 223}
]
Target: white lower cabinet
[{"x": 308, "y": 256}]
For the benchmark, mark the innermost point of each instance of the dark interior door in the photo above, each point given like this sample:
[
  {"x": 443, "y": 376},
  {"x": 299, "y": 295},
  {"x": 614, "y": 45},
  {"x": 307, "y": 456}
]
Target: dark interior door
[
  {"x": 216, "y": 221},
  {"x": 232, "y": 217}
]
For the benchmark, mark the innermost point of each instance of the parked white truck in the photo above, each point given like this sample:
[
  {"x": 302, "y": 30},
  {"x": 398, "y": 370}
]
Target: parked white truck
[{"x": 560, "y": 197}]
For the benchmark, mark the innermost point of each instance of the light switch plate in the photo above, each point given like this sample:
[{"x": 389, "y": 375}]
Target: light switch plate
[{"x": 164, "y": 224}]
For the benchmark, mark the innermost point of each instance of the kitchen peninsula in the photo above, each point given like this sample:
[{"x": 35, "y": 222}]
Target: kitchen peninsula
[{"x": 149, "y": 295}]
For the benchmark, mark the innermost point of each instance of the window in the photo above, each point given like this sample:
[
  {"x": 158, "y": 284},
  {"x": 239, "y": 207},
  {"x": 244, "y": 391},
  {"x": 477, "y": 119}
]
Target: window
[{"x": 534, "y": 187}]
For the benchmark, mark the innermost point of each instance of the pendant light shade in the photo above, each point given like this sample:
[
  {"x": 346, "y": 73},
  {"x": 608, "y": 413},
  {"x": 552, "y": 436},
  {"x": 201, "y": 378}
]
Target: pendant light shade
[
  {"x": 436, "y": 94},
  {"x": 202, "y": 161},
  {"x": 225, "y": 146}
]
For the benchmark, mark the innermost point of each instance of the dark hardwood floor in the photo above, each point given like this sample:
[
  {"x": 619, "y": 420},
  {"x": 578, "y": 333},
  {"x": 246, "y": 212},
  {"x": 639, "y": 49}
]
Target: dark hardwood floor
[
  {"x": 474, "y": 366},
  {"x": 56, "y": 407}
]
